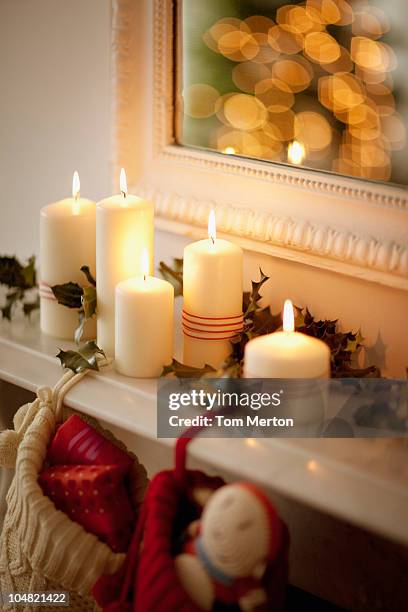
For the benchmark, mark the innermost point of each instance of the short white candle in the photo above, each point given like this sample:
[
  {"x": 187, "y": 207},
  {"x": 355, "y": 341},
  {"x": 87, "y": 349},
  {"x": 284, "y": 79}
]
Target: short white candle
[
  {"x": 286, "y": 354},
  {"x": 212, "y": 311},
  {"x": 67, "y": 242},
  {"x": 144, "y": 325},
  {"x": 124, "y": 227}
]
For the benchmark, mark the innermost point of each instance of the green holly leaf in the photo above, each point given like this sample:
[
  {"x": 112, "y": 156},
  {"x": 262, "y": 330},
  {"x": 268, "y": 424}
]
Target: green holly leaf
[
  {"x": 68, "y": 294},
  {"x": 183, "y": 371},
  {"x": 251, "y": 299},
  {"x": 29, "y": 307},
  {"x": 29, "y": 274},
  {"x": 173, "y": 275},
  {"x": 88, "y": 300},
  {"x": 85, "y": 358},
  {"x": 89, "y": 277}
]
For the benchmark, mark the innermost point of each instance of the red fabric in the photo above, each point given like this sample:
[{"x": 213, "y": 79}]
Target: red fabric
[
  {"x": 149, "y": 581},
  {"x": 95, "y": 497},
  {"x": 77, "y": 443}
]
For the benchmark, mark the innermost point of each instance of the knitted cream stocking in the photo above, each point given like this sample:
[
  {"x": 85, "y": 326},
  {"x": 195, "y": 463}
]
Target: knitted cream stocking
[{"x": 11, "y": 438}]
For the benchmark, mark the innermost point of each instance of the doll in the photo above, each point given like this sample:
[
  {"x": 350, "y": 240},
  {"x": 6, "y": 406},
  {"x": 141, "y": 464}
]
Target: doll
[{"x": 229, "y": 548}]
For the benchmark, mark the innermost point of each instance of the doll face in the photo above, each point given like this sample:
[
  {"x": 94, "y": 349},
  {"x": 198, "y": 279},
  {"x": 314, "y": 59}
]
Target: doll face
[{"x": 235, "y": 531}]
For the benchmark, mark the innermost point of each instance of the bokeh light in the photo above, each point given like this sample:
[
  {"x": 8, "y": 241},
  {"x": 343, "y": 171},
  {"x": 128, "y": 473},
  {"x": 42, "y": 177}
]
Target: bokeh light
[{"x": 309, "y": 83}]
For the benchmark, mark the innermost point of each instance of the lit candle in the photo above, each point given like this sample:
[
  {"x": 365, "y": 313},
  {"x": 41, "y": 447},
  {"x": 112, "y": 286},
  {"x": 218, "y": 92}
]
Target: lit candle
[
  {"x": 287, "y": 354},
  {"x": 124, "y": 227},
  {"x": 144, "y": 324},
  {"x": 67, "y": 242},
  {"x": 212, "y": 311}
]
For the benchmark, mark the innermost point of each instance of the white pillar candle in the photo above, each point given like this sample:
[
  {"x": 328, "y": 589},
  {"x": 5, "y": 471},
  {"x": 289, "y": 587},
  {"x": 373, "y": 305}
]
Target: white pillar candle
[
  {"x": 144, "y": 325},
  {"x": 124, "y": 227},
  {"x": 67, "y": 242},
  {"x": 286, "y": 354},
  {"x": 212, "y": 310}
]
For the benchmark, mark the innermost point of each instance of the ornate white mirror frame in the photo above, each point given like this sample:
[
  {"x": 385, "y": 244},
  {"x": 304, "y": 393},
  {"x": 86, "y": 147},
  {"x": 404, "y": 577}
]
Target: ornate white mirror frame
[{"x": 345, "y": 225}]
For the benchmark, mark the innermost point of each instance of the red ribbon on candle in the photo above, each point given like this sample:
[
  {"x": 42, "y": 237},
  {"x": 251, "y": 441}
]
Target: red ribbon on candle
[
  {"x": 46, "y": 292},
  {"x": 212, "y": 328}
]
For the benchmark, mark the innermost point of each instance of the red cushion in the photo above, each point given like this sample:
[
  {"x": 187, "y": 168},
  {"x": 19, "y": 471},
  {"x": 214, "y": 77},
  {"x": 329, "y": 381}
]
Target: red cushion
[
  {"x": 78, "y": 443},
  {"x": 95, "y": 497}
]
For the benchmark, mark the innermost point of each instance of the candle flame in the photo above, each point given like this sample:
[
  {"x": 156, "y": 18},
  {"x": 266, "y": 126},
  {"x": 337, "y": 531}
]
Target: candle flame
[
  {"x": 123, "y": 182},
  {"x": 229, "y": 151},
  {"x": 212, "y": 231},
  {"x": 76, "y": 185},
  {"x": 296, "y": 152},
  {"x": 76, "y": 188},
  {"x": 288, "y": 317},
  {"x": 145, "y": 263}
]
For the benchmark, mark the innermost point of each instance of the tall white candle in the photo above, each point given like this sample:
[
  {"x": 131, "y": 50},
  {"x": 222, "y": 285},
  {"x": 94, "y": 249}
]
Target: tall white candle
[
  {"x": 287, "y": 354},
  {"x": 67, "y": 242},
  {"x": 124, "y": 227},
  {"x": 144, "y": 324},
  {"x": 212, "y": 310}
]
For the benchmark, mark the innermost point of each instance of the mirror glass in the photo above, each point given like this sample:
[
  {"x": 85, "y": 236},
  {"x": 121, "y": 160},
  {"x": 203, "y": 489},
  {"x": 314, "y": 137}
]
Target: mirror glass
[{"x": 319, "y": 83}]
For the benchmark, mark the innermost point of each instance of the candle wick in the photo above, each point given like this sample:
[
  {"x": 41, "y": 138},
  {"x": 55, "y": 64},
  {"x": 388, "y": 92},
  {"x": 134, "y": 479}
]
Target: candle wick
[
  {"x": 212, "y": 238},
  {"x": 124, "y": 194},
  {"x": 144, "y": 277}
]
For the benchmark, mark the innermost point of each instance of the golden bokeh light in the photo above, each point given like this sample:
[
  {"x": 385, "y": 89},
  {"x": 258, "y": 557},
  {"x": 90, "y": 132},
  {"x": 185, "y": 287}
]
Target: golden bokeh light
[
  {"x": 345, "y": 117},
  {"x": 313, "y": 130},
  {"x": 322, "y": 48},
  {"x": 296, "y": 72},
  {"x": 246, "y": 75},
  {"x": 200, "y": 100},
  {"x": 371, "y": 22},
  {"x": 258, "y": 24},
  {"x": 238, "y": 46},
  {"x": 340, "y": 92},
  {"x": 245, "y": 112},
  {"x": 283, "y": 40},
  {"x": 338, "y": 12},
  {"x": 343, "y": 63},
  {"x": 394, "y": 131},
  {"x": 372, "y": 55},
  {"x": 266, "y": 54},
  {"x": 276, "y": 95},
  {"x": 281, "y": 126},
  {"x": 297, "y": 19}
]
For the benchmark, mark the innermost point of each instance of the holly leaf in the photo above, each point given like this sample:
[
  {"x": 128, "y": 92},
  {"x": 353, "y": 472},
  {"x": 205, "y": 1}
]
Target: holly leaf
[
  {"x": 173, "y": 275},
  {"x": 29, "y": 274},
  {"x": 85, "y": 358},
  {"x": 251, "y": 299},
  {"x": 354, "y": 342},
  {"x": 29, "y": 307},
  {"x": 68, "y": 294},
  {"x": 183, "y": 371},
  {"x": 91, "y": 280},
  {"x": 88, "y": 300}
]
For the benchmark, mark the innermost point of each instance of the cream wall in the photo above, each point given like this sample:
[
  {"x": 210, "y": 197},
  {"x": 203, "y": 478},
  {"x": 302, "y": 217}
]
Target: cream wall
[
  {"x": 55, "y": 117},
  {"x": 54, "y": 109}
]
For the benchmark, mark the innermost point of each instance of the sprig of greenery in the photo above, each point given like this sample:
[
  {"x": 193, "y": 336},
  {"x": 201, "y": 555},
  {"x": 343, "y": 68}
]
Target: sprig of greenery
[
  {"x": 19, "y": 279},
  {"x": 85, "y": 358},
  {"x": 83, "y": 299},
  {"x": 260, "y": 321}
]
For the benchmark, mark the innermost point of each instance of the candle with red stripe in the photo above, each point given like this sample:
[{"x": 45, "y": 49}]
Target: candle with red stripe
[
  {"x": 212, "y": 310},
  {"x": 67, "y": 242}
]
